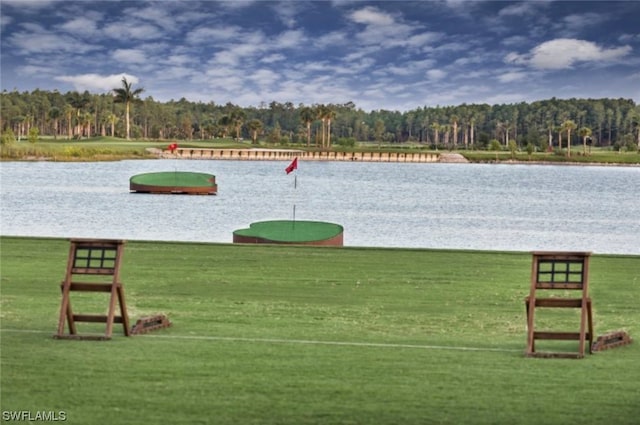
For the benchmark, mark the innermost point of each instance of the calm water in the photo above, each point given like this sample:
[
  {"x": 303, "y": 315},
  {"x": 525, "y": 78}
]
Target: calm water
[{"x": 459, "y": 206}]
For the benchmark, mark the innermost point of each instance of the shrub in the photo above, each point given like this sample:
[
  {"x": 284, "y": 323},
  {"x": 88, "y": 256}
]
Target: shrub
[
  {"x": 494, "y": 145},
  {"x": 8, "y": 138},
  {"x": 34, "y": 133},
  {"x": 347, "y": 142}
]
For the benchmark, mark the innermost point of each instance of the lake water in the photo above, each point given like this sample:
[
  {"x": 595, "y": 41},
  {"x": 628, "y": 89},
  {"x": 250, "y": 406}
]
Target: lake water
[{"x": 457, "y": 206}]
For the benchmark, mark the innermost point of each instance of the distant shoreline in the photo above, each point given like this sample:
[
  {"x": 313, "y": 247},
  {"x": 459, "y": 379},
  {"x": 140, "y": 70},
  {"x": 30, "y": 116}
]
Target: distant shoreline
[{"x": 386, "y": 157}]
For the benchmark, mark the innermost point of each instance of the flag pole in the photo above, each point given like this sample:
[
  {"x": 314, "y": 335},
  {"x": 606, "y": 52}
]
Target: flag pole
[
  {"x": 293, "y": 167},
  {"x": 295, "y": 186}
]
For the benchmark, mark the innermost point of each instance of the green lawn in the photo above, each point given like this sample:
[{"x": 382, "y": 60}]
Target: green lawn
[{"x": 267, "y": 334}]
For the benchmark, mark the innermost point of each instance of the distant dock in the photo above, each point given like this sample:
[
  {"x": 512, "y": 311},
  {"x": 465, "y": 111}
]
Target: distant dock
[{"x": 288, "y": 154}]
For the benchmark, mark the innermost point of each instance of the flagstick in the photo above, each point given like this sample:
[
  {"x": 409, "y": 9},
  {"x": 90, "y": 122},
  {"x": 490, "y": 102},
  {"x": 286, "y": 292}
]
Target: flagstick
[{"x": 295, "y": 185}]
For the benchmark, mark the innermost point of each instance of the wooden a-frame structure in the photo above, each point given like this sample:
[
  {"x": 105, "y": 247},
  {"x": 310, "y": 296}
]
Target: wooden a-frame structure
[
  {"x": 97, "y": 261},
  {"x": 567, "y": 271}
]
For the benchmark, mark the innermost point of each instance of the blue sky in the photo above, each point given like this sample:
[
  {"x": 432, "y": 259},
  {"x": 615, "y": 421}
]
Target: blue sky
[{"x": 395, "y": 55}]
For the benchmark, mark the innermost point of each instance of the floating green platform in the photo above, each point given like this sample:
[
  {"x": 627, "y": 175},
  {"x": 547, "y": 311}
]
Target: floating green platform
[
  {"x": 174, "y": 182},
  {"x": 291, "y": 232}
]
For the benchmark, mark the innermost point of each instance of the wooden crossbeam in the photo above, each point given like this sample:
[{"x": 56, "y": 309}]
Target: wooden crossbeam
[
  {"x": 611, "y": 340},
  {"x": 150, "y": 323}
]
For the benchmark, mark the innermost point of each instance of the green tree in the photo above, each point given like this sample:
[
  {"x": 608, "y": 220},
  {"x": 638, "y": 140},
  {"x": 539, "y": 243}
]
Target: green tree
[
  {"x": 54, "y": 114},
  {"x": 307, "y": 116},
  {"x": 436, "y": 133},
  {"x": 568, "y": 126},
  {"x": 127, "y": 95},
  {"x": 112, "y": 119},
  {"x": 224, "y": 122},
  {"x": 34, "y": 133},
  {"x": 513, "y": 147},
  {"x": 237, "y": 119},
  {"x": 454, "y": 127},
  {"x": 378, "y": 130},
  {"x": 276, "y": 133},
  {"x": 585, "y": 133},
  {"x": 8, "y": 138},
  {"x": 255, "y": 125}
]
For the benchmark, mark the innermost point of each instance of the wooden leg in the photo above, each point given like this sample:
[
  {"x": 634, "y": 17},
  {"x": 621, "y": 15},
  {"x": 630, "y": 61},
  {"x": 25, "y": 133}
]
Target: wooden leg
[{"x": 123, "y": 311}]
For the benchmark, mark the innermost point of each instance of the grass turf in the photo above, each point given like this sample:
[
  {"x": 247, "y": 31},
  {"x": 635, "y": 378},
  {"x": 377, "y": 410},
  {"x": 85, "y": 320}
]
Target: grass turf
[
  {"x": 291, "y": 231},
  {"x": 174, "y": 178},
  {"x": 308, "y": 335}
]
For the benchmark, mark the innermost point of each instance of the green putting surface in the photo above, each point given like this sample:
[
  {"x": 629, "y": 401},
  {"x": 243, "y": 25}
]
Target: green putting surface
[
  {"x": 174, "y": 178},
  {"x": 291, "y": 231}
]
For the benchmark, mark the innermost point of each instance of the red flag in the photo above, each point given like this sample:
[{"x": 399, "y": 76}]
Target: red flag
[
  {"x": 172, "y": 147},
  {"x": 292, "y": 166}
]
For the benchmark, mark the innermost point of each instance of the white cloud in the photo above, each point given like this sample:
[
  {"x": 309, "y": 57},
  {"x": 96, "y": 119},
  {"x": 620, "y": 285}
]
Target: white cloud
[
  {"x": 264, "y": 77},
  {"x": 290, "y": 39},
  {"x": 435, "y": 74},
  {"x": 422, "y": 39},
  {"x": 371, "y": 16},
  {"x": 563, "y": 53},
  {"x": 134, "y": 56},
  {"x": 179, "y": 59},
  {"x": 154, "y": 14},
  {"x": 515, "y": 40},
  {"x": 35, "y": 70},
  {"x": 212, "y": 34},
  {"x": 81, "y": 25},
  {"x": 132, "y": 29},
  {"x": 96, "y": 82},
  {"x": 35, "y": 39},
  {"x": 22, "y": 4},
  {"x": 331, "y": 39},
  {"x": 275, "y": 57},
  {"x": 286, "y": 11},
  {"x": 520, "y": 9},
  {"x": 511, "y": 76}
]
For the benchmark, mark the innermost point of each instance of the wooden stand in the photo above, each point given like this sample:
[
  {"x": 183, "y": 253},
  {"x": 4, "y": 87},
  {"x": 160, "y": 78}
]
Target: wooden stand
[
  {"x": 564, "y": 271},
  {"x": 96, "y": 261}
]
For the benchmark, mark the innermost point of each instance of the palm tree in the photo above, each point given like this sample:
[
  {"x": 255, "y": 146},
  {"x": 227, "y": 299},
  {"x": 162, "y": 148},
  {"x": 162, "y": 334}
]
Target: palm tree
[
  {"x": 307, "y": 116},
  {"x": 127, "y": 96},
  {"x": 550, "y": 128},
  {"x": 68, "y": 113},
  {"x": 330, "y": 114},
  {"x": 255, "y": 125},
  {"x": 567, "y": 126},
  {"x": 454, "y": 126},
  {"x": 559, "y": 131},
  {"x": 84, "y": 123},
  {"x": 224, "y": 122},
  {"x": 585, "y": 133},
  {"x": 237, "y": 119},
  {"x": 112, "y": 119},
  {"x": 78, "y": 102},
  {"x": 436, "y": 133},
  {"x": 321, "y": 110},
  {"x": 55, "y": 114},
  {"x": 378, "y": 131}
]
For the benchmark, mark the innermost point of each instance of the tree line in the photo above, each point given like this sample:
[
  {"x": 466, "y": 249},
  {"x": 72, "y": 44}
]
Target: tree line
[{"x": 546, "y": 124}]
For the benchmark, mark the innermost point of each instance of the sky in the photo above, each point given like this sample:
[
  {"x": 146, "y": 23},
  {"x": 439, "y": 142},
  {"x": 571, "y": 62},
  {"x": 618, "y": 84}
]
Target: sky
[{"x": 380, "y": 55}]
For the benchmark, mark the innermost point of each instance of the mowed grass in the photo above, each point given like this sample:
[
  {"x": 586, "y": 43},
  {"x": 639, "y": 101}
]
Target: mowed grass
[{"x": 312, "y": 335}]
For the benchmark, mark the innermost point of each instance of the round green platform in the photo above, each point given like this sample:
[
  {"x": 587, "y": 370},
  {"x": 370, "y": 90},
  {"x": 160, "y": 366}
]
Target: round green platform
[
  {"x": 176, "y": 182},
  {"x": 291, "y": 232}
]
